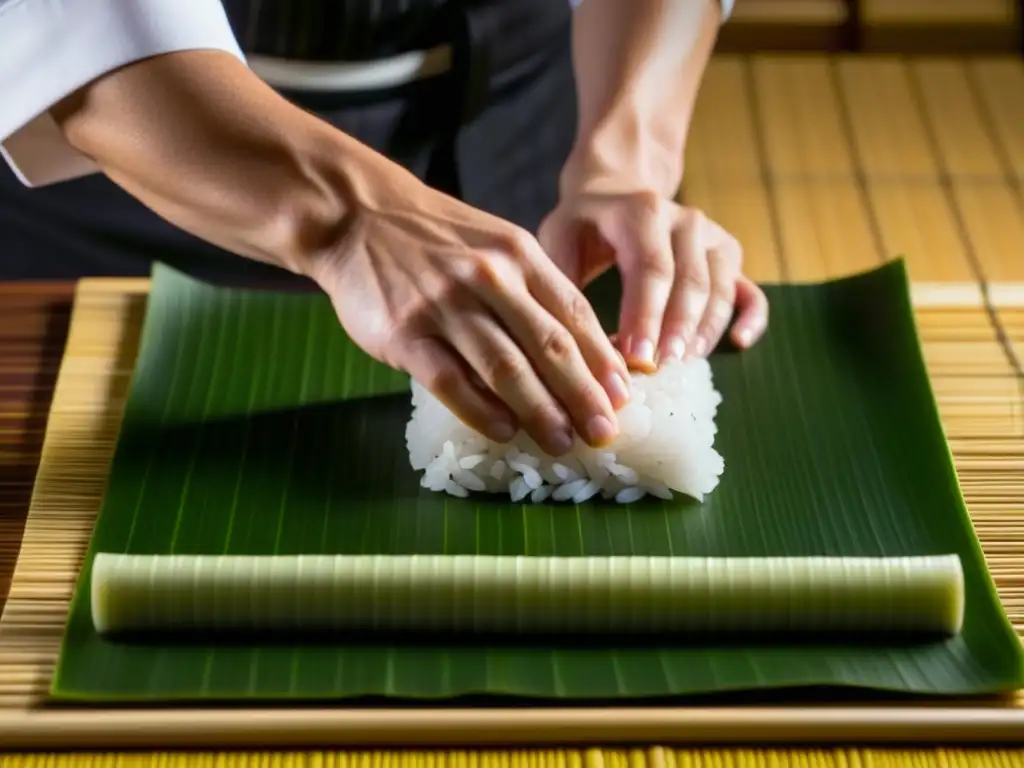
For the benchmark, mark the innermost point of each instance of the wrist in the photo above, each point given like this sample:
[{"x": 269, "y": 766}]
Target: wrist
[{"x": 625, "y": 151}]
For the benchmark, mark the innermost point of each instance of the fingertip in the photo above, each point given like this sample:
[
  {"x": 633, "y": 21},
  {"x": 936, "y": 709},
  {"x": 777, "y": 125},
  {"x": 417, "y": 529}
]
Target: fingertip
[
  {"x": 700, "y": 346},
  {"x": 747, "y": 334},
  {"x": 672, "y": 348},
  {"x": 641, "y": 354},
  {"x": 600, "y": 431},
  {"x": 500, "y": 429}
]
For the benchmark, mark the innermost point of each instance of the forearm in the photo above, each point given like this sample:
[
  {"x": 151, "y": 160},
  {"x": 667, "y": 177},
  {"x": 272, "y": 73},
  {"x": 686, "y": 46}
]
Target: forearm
[
  {"x": 638, "y": 68},
  {"x": 199, "y": 139}
]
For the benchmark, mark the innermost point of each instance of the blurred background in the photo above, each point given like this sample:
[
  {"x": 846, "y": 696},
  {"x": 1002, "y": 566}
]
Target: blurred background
[{"x": 890, "y": 26}]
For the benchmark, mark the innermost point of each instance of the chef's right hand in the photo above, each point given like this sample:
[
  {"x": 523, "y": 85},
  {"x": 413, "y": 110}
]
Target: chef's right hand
[
  {"x": 468, "y": 304},
  {"x": 472, "y": 308}
]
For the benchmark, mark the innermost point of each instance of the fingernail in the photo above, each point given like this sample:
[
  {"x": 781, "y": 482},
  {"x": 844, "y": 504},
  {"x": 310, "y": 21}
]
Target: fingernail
[
  {"x": 600, "y": 430},
  {"x": 700, "y": 346},
  {"x": 561, "y": 441},
  {"x": 745, "y": 336},
  {"x": 618, "y": 390},
  {"x": 676, "y": 348},
  {"x": 643, "y": 351},
  {"x": 502, "y": 432}
]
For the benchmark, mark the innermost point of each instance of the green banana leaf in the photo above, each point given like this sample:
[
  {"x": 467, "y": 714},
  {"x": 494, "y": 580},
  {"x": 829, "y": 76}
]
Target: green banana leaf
[{"x": 254, "y": 426}]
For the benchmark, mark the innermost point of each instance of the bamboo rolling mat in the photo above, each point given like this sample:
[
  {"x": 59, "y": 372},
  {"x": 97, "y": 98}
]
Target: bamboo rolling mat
[
  {"x": 656, "y": 757},
  {"x": 821, "y": 166}
]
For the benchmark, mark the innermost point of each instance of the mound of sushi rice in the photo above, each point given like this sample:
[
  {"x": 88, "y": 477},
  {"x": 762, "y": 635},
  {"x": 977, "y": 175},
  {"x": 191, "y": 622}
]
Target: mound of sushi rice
[{"x": 665, "y": 444}]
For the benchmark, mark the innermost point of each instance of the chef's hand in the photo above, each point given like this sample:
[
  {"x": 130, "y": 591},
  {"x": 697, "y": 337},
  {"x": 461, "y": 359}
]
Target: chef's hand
[
  {"x": 472, "y": 307},
  {"x": 681, "y": 272},
  {"x": 467, "y": 303}
]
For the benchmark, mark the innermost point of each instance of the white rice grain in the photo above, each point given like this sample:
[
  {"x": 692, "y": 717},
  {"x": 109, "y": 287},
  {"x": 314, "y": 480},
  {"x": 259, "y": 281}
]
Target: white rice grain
[
  {"x": 518, "y": 490},
  {"x": 455, "y": 489},
  {"x": 587, "y": 492},
  {"x": 665, "y": 445},
  {"x": 629, "y": 495},
  {"x": 473, "y": 461},
  {"x": 469, "y": 480},
  {"x": 568, "y": 490},
  {"x": 541, "y": 494}
]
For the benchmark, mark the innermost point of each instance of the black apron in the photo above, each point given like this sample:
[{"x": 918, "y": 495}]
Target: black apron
[{"x": 493, "y": 132}]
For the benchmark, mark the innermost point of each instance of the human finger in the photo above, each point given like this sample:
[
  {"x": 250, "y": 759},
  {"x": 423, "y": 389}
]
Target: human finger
[
  {"x": 645, "y": 258},
  {"x": 557, "y": 358},
  {"x": 689, "y": 295},
  {"x": 752, "y": 316},
  {"x": 724, "y": 261},
  {"x": 562, "y": 300},
  {"x": 436, "y": 366},
  {"x": 504, "y": 367}
]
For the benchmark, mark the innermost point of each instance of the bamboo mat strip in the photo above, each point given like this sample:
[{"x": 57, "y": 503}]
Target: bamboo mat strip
[
  {"x": 889, "y": 132},
  {"x": 654, "y": 757},
  {"x": 999, "y": 85},
  {"x": 800, "y": 117}
]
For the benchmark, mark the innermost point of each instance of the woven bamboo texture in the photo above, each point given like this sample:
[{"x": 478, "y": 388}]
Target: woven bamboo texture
[
  {"x": 657, "y": 757},
  {"x": 821, "y": 166}
]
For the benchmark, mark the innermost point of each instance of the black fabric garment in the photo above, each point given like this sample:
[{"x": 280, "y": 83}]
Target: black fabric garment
[
  {"x": 495, "y": 133},
  {"x": 340, "y": 30}
]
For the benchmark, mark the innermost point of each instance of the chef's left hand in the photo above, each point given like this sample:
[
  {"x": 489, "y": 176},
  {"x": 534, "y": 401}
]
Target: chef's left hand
[{"x": 681, "y": 272}]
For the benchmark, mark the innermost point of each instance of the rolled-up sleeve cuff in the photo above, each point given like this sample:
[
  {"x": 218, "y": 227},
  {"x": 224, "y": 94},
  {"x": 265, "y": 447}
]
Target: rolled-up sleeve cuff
[{"x": 51, "y": 48}]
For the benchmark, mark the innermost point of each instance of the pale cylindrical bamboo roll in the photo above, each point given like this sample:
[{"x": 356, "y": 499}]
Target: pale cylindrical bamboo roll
[{"x": 627, "y": 595}]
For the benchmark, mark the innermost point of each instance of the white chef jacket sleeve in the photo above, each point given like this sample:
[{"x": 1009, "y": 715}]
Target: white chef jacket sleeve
[{"x": 51, "y": 48}]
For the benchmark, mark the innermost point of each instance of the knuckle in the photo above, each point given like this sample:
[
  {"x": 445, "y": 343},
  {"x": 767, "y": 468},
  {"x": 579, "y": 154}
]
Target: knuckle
[
  {"x": 695, "y": 279},
  {"x": 482, "y": 273},
  {"x": 384, "y": 341},
  {"x": 723, "y": 291},
  {"x": 558, "y": 345},
  {"x": 648, "y": 200},
  {"x": 654, "y": 264},
  {"x": 408, "y": 318},
  {"x": 504, "y": 368},
  {"x": 693, "y": 217},
  {"x": 444, "y": 380},
  {"x": 579, "y": 313},
  {"x": 519, "y": 243}
]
